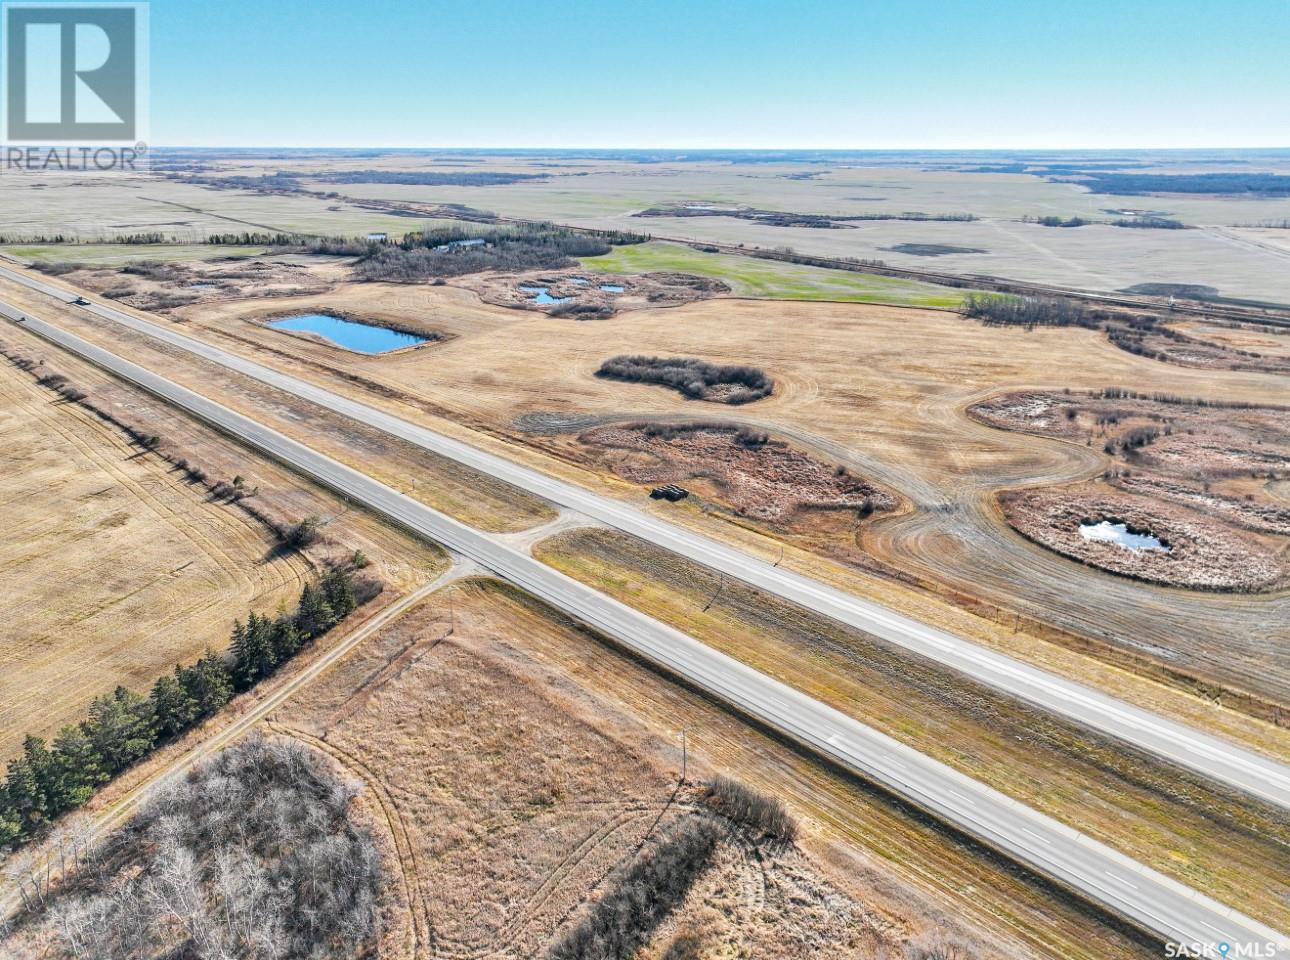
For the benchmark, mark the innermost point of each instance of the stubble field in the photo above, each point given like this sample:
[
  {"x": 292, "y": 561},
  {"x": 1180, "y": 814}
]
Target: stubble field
[{"x": 116, "y": 565}]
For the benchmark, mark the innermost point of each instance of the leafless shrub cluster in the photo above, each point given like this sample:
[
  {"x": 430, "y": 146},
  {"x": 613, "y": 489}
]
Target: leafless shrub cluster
[
  {"x": 253, "y": 854},
  {"x": 695, "y": 378},
  {"x": 159, "y": 270},
  {"x": 582, "y": 311},
  {"x": 57, "y": 268},
  {"x": 936, "y": 948},
  {"x": 1119, "y": 393},
  {"x": 642, "y": 893},
  {"x": 1026, "y": 311},
  {"x": 745, "y": 806}
]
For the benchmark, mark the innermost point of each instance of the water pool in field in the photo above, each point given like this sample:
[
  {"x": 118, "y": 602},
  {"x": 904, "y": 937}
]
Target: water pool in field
[
  {"x": 612, "y": 288},
  {"x": 543, "y": 295},
  {"x": 361, "y": 337},
  {"x": 1118, "y": 533}
]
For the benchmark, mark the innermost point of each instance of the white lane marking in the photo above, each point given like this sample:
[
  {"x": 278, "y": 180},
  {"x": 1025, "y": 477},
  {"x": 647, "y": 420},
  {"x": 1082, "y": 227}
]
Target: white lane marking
[{"x": 1119, "y": 879}]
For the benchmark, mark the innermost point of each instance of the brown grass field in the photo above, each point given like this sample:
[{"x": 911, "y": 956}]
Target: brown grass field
[
  {"x": 489, "y": 758},
  {"x": 115, "y": 567},
  {"x": 512, "y": 760},
  {"x": 1156, "y": 813},
  {"x": 879, "y": 390}
]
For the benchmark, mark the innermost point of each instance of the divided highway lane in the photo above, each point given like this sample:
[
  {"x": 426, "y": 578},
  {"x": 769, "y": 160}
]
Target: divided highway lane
[
  {"x": 1208, "y": 755},
  {"x": 1077, "y": 862}
]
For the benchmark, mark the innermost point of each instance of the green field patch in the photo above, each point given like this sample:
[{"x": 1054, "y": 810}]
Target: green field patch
[{"x": 774, "y": 279}]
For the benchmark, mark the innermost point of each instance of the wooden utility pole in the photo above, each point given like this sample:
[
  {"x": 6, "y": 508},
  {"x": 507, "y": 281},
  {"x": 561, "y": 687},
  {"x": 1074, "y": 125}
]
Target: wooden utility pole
[{"x": 685, "y": 754}]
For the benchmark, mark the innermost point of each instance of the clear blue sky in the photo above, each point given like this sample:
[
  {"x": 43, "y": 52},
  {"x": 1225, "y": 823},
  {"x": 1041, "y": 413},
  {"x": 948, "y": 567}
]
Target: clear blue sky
[{"x": 721, "y": 73}]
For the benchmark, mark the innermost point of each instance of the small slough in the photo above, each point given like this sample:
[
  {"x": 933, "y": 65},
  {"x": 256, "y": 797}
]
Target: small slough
[
  {"x": 1120, "y": 534},
  {"x": 542, "y": 295},
  {"x": 360, "y": 337}
]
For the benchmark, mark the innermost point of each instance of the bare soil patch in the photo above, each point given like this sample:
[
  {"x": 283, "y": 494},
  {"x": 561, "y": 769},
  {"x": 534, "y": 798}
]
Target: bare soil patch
[
  {"x": 931, "y": 249},
  {"x": 753, "y": 474}
]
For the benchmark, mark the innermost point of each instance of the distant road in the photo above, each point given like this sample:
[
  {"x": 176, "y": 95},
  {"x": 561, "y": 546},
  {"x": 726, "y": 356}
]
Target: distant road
[
  {"x": 1203, "y": 753},
  {"x": 1077, "y": 862}
]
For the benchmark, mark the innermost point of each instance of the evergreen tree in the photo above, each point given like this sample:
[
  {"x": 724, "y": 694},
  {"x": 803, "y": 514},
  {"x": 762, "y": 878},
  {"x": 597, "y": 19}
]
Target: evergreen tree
[
  {"x": 315, "y": 615},
  {"x": 286, "y": 639},
  {"x": 174, "y": 709},
  {"x": 41, "y": 762},
  {"x": 120, "y": 728},
  {"x": 237, "y": 644},
  {"x": 10, "y": 826},
  {"x": 338, "y": 587},
  {"x": 78, "y": 766},
  {"x": 207, "y": 682},
  {"x": 25, "y": 798},
  {"x": 255, "y": 658}
]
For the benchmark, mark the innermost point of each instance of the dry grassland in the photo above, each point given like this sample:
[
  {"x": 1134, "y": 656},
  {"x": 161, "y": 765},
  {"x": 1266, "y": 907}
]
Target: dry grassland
[
  {"x": 1268, "y": 341},
  {"x": 115, "y": 567},
  {"x": 879, "y": 390},
  {"x": 456, "y": 490},
  {"x": 1174, "y": 821},
  {"x": 513, "y": 761},
  {"x": 882, "y": 392}
]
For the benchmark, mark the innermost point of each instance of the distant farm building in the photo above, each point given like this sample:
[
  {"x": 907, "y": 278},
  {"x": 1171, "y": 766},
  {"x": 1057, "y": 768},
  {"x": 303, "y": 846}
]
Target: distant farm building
[
  {"x": 460, "y": 244},
  {"x": 377, "y": 237}
]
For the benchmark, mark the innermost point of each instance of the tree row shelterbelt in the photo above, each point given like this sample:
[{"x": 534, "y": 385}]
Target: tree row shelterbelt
[{"x": 123, "y": 727}]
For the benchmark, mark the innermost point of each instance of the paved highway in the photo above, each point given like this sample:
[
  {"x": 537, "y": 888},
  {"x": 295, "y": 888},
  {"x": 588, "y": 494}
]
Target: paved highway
[
  {"x": 1208, "y": 755},
  {"x": 1077, "y": 862}
]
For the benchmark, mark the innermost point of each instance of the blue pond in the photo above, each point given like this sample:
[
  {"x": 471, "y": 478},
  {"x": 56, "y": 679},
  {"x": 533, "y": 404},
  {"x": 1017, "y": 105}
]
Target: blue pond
[
  {"x": 612, "y": 288},
  {"x": 362, "y": 337},
  {"x": 1120, "y": 535},
  {"x": 543, "y": 295}
]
